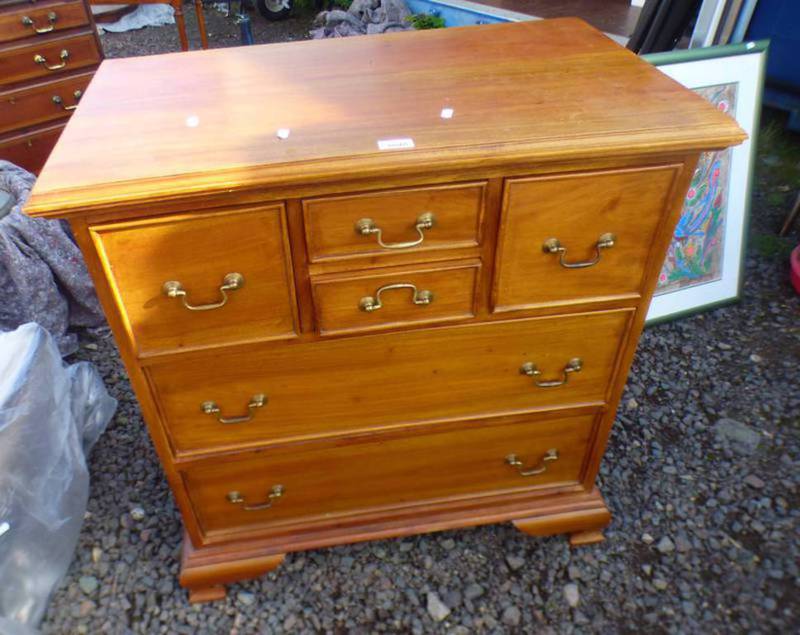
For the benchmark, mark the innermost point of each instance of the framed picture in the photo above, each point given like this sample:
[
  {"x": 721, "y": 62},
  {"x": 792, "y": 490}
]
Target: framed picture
[{"x": 703, "y": 266}]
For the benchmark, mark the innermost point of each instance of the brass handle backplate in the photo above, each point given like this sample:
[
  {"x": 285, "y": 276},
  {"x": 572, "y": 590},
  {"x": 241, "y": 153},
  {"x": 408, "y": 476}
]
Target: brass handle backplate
[
  {"x": 41, "y": 59},
  {"x": 231, "y": 282},
  {"x": 367, "y": 227},
  {"x": 540, "y": 468},
  {"x": 60, "y": 102},
  {"x": 421, "y": 297},
  {"x": 554, "y": 246},
  {"x": 274, "y": 494},
  {"x": 573, "y": 366},
  {"x": 51, "y": 18},
  {"x": 256, "y": 401}
]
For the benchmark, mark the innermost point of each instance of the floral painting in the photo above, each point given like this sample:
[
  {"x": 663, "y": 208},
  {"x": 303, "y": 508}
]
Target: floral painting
[{"x": 695, "y": 255}]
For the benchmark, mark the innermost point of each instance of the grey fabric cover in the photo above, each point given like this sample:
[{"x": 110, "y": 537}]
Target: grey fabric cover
[{"x": 43, "y": 278}]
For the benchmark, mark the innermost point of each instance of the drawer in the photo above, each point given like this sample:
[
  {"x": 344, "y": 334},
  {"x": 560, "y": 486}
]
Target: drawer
[
  {"x": 193, "y": 281},
  {"x": 396, "y": 221},
  {"x": 314, "y": 389},
  {"x": 578, "y": 237},
  {"x": 35, "y": 20},
  {"x": 326, "y": 480},
  {"x": 30, "y": 149},
  {"x": 41, "y": 102},
  {"x": 369, "y": 301},
  {"x": 55, "y": 56}
]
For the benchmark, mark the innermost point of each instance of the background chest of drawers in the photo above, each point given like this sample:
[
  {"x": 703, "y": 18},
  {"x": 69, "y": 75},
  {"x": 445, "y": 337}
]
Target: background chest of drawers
[
  {"x": 49, "y": 51},
  {"x": 333, "y": 343}
]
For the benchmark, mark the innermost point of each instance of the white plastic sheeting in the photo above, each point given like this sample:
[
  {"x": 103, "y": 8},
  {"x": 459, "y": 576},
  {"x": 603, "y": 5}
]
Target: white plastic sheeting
[
  {"x": 144, "y": 15},
  {"x": 50, "y": 416}
]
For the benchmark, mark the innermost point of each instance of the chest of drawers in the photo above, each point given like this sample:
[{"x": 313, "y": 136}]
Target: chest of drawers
[
  {"x": 49, "y": 51},
  {"x": 334, "y": 342}
]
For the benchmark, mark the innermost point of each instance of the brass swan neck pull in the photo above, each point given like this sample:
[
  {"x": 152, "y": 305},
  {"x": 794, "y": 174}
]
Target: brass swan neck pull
[
  {"x": 421, "y": 297},
  {"x": 231, "y": 282},
  {"x": 41, "y": 59},
  {"x": 554, "y": 246},
  {"x": 541, "y": 467},
  {"x": 573, "y": 366},
  {"x": 274, "y": 494},
  {"x": 367, "y": 227},
  {"x": 51, "y": 18},
  {"x": 211, "y": 408},
  {"x": 60, "y": 102}
]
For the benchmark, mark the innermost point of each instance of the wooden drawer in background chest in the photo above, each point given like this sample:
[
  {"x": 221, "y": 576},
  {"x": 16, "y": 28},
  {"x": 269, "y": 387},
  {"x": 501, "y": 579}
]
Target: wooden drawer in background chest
[
  {"x": 48, "y": 56},
  {"x": 26, "y": 19},
  {"x": 30, "y": 149},
  {"x": 200, "y": 280},
  {"x": 303, "y": 390},
  {"x": 584, "y": 237},
  {"x": 385, "y": 223},
  {"x": 322, "y": 481},
  {"x": 41, "y": 102}
]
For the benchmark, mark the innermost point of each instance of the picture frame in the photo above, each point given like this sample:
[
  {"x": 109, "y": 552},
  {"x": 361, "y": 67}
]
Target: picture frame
[{"x": 704, "y": 264}]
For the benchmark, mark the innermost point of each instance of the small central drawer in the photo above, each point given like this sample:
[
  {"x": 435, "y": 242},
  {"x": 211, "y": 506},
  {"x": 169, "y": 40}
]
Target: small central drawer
[
  {"x": 331, "y": 479},
  {"x": 201, "y": 280},
  {"x": 394, "y": 221},
  {"x": 369, "y": 301},
  {"x": 296, "y": 390}
]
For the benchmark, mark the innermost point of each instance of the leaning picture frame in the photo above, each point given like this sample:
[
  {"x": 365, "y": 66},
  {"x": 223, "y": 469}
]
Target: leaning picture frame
[{"x": 704, "y": 263}]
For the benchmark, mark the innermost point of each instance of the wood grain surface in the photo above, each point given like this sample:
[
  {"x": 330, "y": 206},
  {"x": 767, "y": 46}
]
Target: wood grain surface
[{"x": 520, "y": 92}]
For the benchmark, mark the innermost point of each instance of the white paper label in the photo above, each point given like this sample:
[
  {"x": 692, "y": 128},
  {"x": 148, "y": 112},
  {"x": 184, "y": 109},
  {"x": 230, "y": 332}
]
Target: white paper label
[{"x": 395, "y": 144}]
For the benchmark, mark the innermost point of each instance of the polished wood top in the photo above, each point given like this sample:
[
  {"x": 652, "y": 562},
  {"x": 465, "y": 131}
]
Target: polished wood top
[{"x": 162, "y": 126}]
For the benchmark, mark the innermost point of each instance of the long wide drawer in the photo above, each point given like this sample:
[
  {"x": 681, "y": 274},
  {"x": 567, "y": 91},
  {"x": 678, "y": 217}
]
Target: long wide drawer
[
  {"x": 330, "y": 479},
  {"x": 326, "y": 388}
]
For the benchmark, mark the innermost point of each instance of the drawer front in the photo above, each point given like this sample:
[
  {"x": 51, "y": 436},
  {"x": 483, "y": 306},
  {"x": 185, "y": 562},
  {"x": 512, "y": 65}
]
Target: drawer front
[
  {"x": 303, "y": 390},
  {"x": 369, "y": 301},
  {"x": 30, "y": 150},
  {"x": 201, "y": 280},
  {"x": 48, "y": 58},
  {"x": 42, "y": 102},
  {"x": 397, "y": 221},
  {"x": 35, "y": 20},
  {"x": 578, "y": 237},
  {"x": 326, "y": 480}
]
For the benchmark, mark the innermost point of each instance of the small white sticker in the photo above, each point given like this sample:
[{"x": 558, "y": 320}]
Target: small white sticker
[{"x": 395, "y": 144}]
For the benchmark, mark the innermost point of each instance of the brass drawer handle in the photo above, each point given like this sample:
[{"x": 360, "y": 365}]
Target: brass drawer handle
[
  {"x": 422, "y": 297},
  {"x": 367, "y": 226},
  {"x": 60, "y": 102},
  {"x": 541, "y": 467},
  {"x": 554, "y": 246},
  {"x": 275, "y": 493},
  {"x": 211, "y": 408},
  {"x": 51, "y": 18},
  {"x": 41, "y": 59},
  {"x": 231, "y": 282},
  {"x": 573, "y": 366}
]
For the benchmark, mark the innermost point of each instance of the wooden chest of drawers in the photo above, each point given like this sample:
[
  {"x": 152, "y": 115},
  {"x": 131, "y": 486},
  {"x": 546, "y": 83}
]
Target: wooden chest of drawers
[
  {"x": 332, "y": 341},
  {"x": 49, "y": 51}
]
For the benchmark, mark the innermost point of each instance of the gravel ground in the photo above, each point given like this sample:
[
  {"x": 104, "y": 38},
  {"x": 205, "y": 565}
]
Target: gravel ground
[{"x": 702, "y": 475}]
